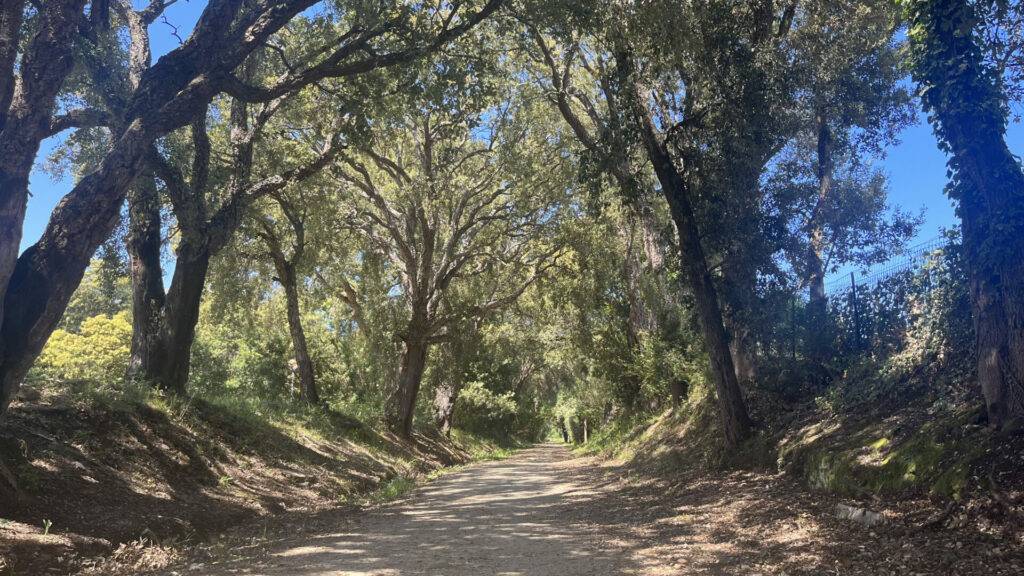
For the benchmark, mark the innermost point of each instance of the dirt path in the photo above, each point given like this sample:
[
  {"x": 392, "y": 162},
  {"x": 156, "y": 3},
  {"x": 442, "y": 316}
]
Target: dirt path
[
  {"x": 546, "y": 513},
  {"x": 509, "y": 517}
]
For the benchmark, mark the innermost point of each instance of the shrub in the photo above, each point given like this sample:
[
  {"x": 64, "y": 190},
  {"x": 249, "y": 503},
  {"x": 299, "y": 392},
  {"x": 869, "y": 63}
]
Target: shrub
[
  {"x": 97, "y": 353},
  {"x": 481, "y": 410}
]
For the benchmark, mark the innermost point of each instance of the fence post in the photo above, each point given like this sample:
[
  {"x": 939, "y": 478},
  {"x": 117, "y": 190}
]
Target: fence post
[{"x": 856, "y": 313}]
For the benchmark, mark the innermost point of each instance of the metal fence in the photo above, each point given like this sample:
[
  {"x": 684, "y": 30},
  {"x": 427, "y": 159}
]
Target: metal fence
[
  {"x": 912, "y": 259},
  {"x": 871, "y": 313}
]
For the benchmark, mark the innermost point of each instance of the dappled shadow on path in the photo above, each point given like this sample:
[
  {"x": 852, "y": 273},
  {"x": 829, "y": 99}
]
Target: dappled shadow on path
[
  {"x": 497, "y": 518},
  {"x": 545, "y": 513}
]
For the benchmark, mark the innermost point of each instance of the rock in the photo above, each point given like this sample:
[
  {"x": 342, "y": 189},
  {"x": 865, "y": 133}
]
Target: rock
[{"x": 859, "y": 515}]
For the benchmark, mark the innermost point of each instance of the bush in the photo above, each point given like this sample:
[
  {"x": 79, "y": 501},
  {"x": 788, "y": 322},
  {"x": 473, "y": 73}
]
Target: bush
[
  {"x": 482, "y": 411},
  {"x": 97, "y": 353}
]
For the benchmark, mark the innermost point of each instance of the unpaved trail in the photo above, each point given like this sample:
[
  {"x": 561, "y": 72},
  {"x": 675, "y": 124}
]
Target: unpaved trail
[
  {"x": 511, "y": 517},
  {"x": 545, "y": 512}
]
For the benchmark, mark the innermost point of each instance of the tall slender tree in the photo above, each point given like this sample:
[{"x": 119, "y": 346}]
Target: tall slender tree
[{"x": 287, "y": 262}]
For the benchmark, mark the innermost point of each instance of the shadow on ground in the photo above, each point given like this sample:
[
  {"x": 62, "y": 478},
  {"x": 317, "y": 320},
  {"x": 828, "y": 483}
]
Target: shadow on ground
[{"x": 544, "y": 513}]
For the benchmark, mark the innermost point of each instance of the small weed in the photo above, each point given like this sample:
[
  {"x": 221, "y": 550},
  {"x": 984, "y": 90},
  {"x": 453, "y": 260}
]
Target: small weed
[
  {"x": 46, "y": 527},
  {"x": 225, "y": 480},
  {"x": 393, "y": 489}
]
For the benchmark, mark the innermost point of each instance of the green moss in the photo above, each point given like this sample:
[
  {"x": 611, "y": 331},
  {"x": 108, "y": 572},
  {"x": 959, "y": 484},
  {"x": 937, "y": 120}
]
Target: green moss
[
  {"x": 935, "y": 459},
  {"x": 831, "y": 471}
]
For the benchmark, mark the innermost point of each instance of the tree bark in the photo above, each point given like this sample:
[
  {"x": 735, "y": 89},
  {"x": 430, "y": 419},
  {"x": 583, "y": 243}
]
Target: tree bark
[
  {"x": 445, "y": 397},
  {"x": 734, "y": 419},
  {"x": 183, "y": 300},
  {"x": 148, "y": 296},
  {"x": 29, "y": 86},
  {"x": 307, "y": 377},
  {"x": 163, "y": 325},
  {"x": 969, "y": 117},
  {"x": 403, "y": 402},
  {"x": 170, "y": 359}
]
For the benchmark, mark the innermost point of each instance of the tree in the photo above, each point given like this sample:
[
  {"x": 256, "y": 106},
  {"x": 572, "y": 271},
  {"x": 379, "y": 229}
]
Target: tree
[
  {"x": 207, "y": 213},
  {"x": 450, "y": 374},
  {"x": 851, "y": 105},
  {"x": 592, "y": 112},
  {"x": 734, "y": 419},
  {"x": 286, "y": 264},
  {"x": 154, "y": 101},
  {"x": 710, "y": 114},
  {"x": 447, "y": 201},
  {"x": 703, "y": 90},
  {"x": 966, "y": 101}
]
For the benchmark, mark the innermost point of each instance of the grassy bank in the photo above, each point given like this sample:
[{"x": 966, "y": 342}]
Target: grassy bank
[
  {"x": 135, "y": 475},
  {"x": 910, "y": 442}
]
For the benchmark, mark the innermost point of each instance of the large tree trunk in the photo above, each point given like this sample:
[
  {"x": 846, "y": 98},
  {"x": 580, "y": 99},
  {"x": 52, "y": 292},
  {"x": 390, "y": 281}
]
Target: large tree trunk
[
  {"x": 163, "y": 327},
  {"x": 31, "y": 76},
  {"x": 307, "y": 377},
  {"x": 735, "y": 421},
  {"x": 183, "y": 301},
  {"x": 998, "y": 310},
  {"x": 403, "y": 402},
  {"x": 970, "y": 120},
  {"x": 148, "y": 297}
]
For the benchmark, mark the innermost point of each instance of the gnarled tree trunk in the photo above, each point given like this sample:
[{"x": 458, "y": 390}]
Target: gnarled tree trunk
[
  {"x": 183, "y": 300},
  {"x": 148, "y": 296},
  {"x": 162, "y": 349},
  {"x": 163, "y": 325}
]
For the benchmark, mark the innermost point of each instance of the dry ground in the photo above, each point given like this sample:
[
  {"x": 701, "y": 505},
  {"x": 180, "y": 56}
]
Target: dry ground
[
  {"x": 545, "y": 512},
  {"x": 114, "y": 481}
]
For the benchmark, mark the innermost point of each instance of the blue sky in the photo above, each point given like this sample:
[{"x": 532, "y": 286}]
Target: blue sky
[{"x": 916, "y": 168}]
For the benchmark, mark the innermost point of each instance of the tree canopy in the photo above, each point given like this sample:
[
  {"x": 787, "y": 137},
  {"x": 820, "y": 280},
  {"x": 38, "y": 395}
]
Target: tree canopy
[{"x": 506, "y": 215}]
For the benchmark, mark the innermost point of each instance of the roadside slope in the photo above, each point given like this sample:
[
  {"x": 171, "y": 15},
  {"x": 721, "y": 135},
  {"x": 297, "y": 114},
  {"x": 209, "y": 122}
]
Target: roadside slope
[{"x": 137, "y": 479}]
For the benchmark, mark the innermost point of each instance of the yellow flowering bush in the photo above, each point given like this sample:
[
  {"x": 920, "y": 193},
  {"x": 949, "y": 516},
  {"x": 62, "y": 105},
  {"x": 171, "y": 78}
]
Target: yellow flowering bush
[{"x": 98, "y": 352}]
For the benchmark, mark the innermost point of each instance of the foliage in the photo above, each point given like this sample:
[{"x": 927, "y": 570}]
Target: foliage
[
  {"x": 478, "y": 222},
  {"x": 96, "y": 354},
  {"x": 105, "y": 289},
  {"x": 481, "y": 410}
]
